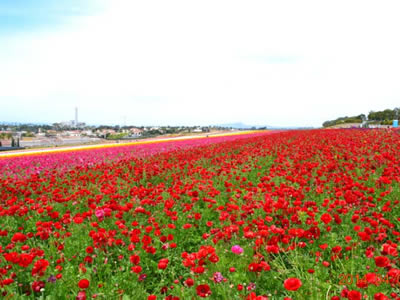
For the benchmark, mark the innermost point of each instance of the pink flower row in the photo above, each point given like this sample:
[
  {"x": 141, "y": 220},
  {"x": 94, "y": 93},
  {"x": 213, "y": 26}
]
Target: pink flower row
[{"x": 22, "y": 166}]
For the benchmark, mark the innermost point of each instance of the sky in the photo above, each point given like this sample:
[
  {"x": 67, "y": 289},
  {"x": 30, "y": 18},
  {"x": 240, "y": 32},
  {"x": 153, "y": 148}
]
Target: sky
[{"x": 275, "y": 63}]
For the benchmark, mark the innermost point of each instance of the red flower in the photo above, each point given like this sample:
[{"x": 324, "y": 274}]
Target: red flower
[
  {"x": 254, "y": 267},
  {"x": 203, "y": 290},
  {"x": 18, "y": 237},
  {"x": 163, "y": 263},
  {"x": 83, "y": 283},
  {"x": 382, "y": 261},
  {"x": 40, "y": 266},
  {"x": 354, "y": 295},
  {"x": 135, "y": 259},
  {"x": 189, "y": 282},
  {"x": 380, "y": 296},
  {"x": 326, "y": 218},
  {"x": 81, "y": 295},
  {"x": 213, "y": 258},
  {"x": 136, "y": 269},
  {"x": 7, "y": 281},
  {"x": 37, "y": 286},
  {"x": 292, "y": 284},
  {"x": 25, "y": 260}
]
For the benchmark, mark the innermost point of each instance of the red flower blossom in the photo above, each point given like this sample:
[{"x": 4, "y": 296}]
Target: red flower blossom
[
  {"x": 163, "y": 263},
  {"x": 189, "y": 282},
  {"x": 354, "y": 295},
  {"x": 326, "y": 218},
  {"x": 81, "y": 295},
  {"x": 382, "y": 261},
  {"x": 203, "y": 290},
  {"x": 292, "y": 284},
  {"x": 37, "y": 286},
  {"x": 380, "y": 296},
  {"x": 40, "y": 266},
  {"x": 18, "y": 237},
  {"x": 83, "y": 283}
]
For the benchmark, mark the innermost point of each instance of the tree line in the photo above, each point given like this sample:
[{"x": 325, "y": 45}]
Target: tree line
[
  {"x": 345, "y": 120},
  {"x": 384, "y": 117}
]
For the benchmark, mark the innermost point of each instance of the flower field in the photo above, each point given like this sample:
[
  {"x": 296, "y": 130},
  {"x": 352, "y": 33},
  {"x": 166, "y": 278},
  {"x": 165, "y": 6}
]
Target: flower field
[{"x": 290, "y": 215}]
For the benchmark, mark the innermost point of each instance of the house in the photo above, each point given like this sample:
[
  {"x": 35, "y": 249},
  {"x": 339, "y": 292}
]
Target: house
[
  {"x": 136, "y": 131},
  {"x": 74, "y": 133}
]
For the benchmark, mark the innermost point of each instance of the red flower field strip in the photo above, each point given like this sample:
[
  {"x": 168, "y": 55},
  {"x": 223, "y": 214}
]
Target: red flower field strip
[{"x": 22, "y": 165}]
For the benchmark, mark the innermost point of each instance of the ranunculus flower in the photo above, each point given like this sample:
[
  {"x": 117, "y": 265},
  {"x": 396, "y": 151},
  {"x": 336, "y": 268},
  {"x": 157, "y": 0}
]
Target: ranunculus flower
[
  {"x": 163, "y": 263},
  {"x": 189, "y": 282},
  {"x": 380, "y": 296},
  {"x": 354, "y": 295},
  {"x": 99, "y": 213},
  {"x": 203, "y": 290},
  {"x": 237, "y": 249},
  {"x": 292, "y": 284},
  {"x": 39, "y": 268},
  {"x": 83, "y": 283},
  {"x": 81, "y": 295},
  {"x": 382, "y": 261},
  {"x": 37, "y": 286},
  {"x": 18, "y": 237},
  {"x": 326, "y": 218}
]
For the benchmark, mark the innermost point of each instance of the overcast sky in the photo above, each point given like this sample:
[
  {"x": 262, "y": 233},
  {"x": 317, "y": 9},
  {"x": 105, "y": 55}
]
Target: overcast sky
[{"x": 280, "y": 63}]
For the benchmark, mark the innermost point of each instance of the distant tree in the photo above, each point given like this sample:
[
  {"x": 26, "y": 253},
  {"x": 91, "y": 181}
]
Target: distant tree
[
  {"x": 28, "y": 134},
  {"x": 385, "y": 116}
]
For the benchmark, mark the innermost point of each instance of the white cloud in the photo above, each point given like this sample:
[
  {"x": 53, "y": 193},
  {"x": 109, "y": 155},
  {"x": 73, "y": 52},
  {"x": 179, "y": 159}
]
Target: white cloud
[{"x": 187, "y": 62}]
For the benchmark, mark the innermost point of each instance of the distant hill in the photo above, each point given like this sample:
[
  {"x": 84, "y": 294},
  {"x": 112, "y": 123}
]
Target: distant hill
[
  {"x": 237, "y": 125},
  {"x": 345, "y": 120}
]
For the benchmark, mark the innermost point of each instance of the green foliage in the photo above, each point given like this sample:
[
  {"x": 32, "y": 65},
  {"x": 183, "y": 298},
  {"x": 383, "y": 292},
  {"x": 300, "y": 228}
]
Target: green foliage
[
  {"x": 344, "y": 120},
  {"x": 384, "y": 115},
  {"x": 117, "y": 136},
  {"x": 28, "y": 134}
]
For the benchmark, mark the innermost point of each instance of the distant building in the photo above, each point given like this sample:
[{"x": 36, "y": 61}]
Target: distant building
[
  {"x": 75, "y": 133},
  {"x": 136, "y": 131},
  {"x": 87, "y": 132},
  {"x": 52, "y": 133},
  {"x": 76, "y": 117}
]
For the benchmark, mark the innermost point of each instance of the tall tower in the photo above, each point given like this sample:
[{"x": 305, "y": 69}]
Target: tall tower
[{"x": 76, "y": 116}]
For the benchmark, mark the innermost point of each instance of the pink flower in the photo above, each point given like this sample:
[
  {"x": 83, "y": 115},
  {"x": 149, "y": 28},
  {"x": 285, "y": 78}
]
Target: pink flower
[
  {"x": 218, "y": 277},
  {"x": 237, "y": 249},
  {"x": 99, "y": 213}
]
